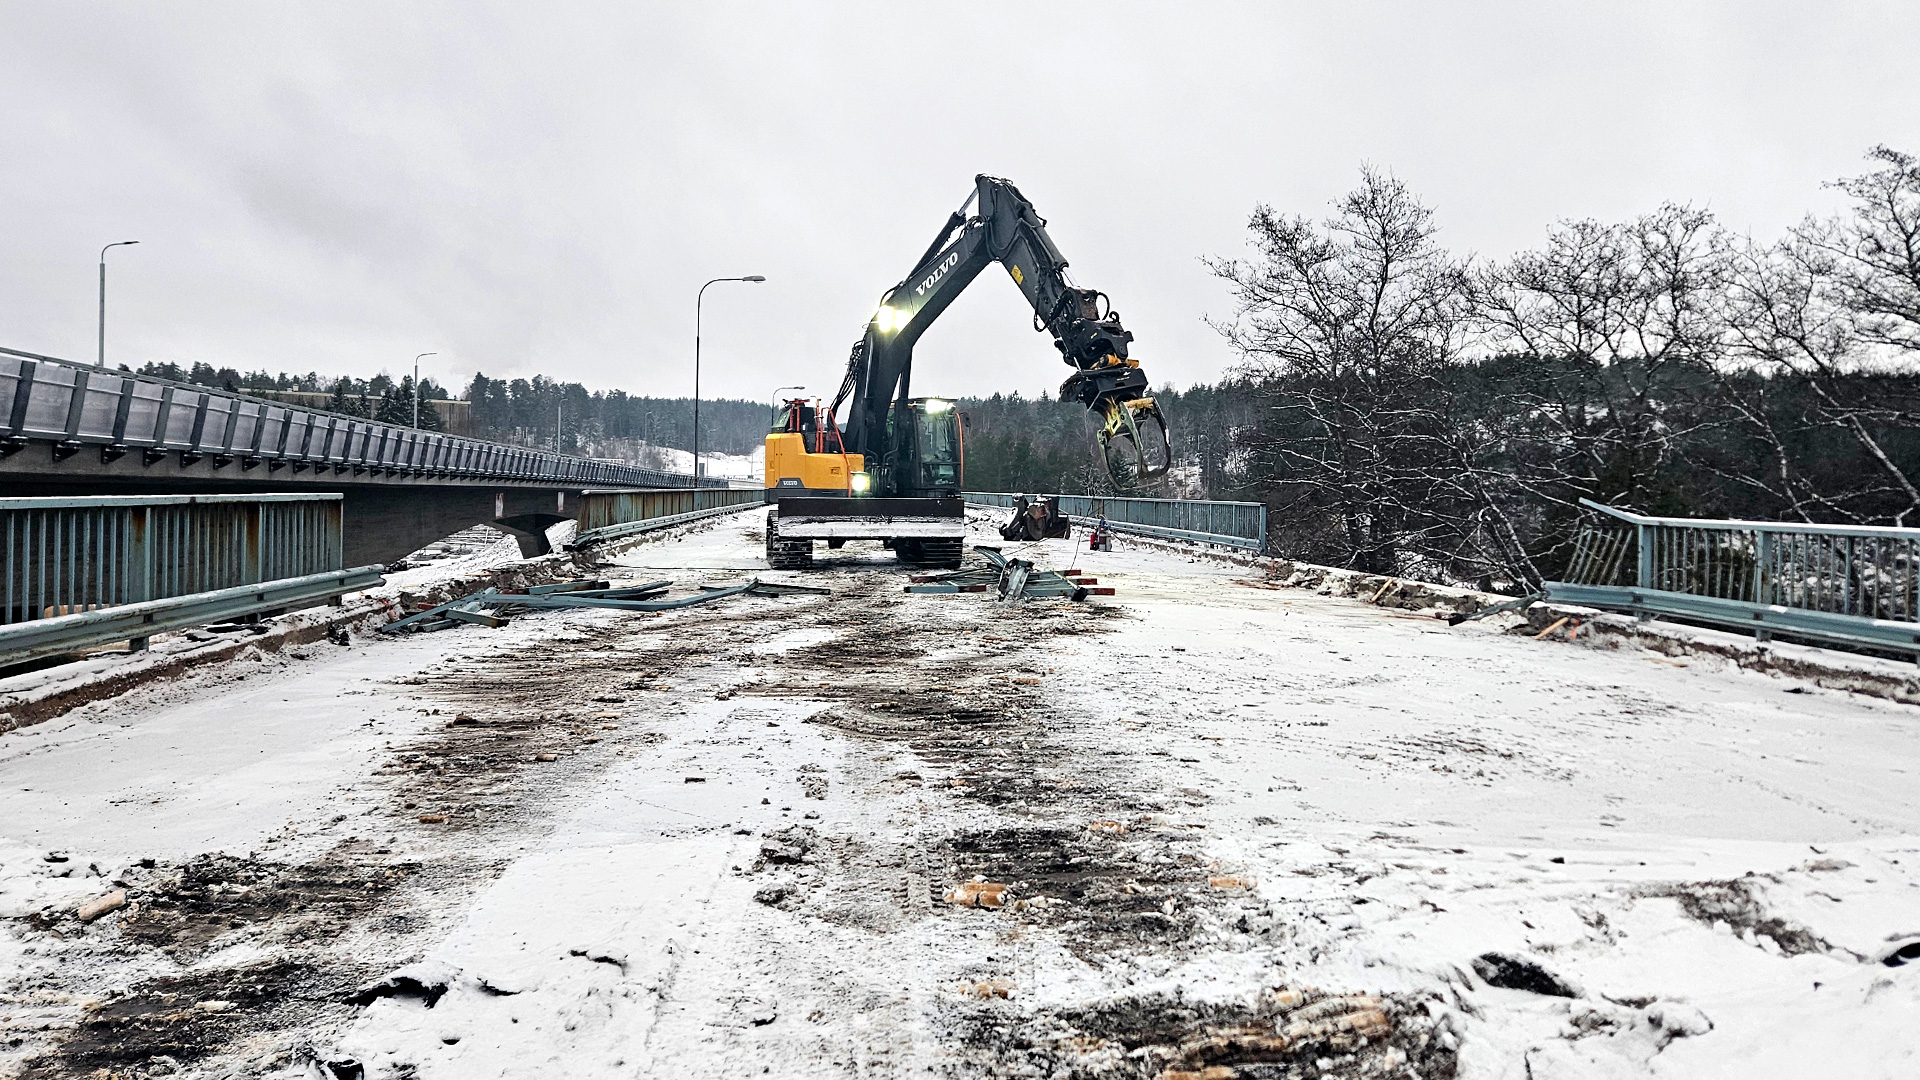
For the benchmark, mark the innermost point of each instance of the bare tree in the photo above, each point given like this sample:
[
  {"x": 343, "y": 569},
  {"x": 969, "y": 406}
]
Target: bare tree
[
  {"x": 1346, "y": 327},
  {"x": 1626, "y": 313},
  {"x": 1815, "y": 315}
]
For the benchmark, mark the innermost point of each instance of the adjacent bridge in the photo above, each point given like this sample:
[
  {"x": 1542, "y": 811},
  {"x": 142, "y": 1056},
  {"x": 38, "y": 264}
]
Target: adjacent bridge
[{"x": 69, "y": 429}]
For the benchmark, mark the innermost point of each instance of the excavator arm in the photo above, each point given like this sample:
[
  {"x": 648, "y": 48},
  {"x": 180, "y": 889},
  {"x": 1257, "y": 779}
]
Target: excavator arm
[{"x": 1003, "y": 228}]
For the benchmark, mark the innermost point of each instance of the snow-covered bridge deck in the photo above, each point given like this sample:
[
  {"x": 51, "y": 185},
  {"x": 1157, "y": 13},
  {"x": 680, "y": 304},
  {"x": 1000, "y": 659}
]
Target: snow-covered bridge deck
[{"x": 1203, "y": 792}]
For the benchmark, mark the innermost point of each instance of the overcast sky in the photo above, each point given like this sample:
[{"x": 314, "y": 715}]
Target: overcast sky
[{"x": 541, "y": 187}]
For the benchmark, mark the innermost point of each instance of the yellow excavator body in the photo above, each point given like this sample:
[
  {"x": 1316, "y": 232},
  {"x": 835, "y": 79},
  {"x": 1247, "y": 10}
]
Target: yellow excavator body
[
  {"x": 793, "y": 470},
  {"x": 807, "y": 456}
]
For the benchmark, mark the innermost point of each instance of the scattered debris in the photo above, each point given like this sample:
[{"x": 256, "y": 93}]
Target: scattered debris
[
  {"x": 491, "y": 607},
  {"x": 1010, "y": 579},
  {"x": 1514, "y": 973},
  {"x": 991, "y": 894},
  {"x": 1554, "y": 625},
  {"x": 426, "y": 982},
  {"x": 102, "y": 905},
  {"x": 1520, "y": 604},
  {"x": 775, "y": 895},
  {"x": 986, "y": 989},
  {"x": 788, "y": 845}
]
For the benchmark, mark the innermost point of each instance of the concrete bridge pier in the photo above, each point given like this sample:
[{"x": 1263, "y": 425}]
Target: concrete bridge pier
[{"x": 384, "y": 524}]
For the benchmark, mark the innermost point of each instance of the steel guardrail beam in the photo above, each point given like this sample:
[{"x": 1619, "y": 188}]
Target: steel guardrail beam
[
  {"x": 136, "y": 622},
  {"x": 1762, "y": 618},
  {"x": 634, "y": 528},
  {"x": 71, "y": 406},
  {"x": 1124, "y": 514},
  {"x": 1724, "y": 524}
]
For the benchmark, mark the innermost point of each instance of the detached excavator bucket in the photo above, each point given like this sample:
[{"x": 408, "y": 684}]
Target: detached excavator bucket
[
  {"x": 1035, "y": 518},
  {"x": 1134, "y": 444}
]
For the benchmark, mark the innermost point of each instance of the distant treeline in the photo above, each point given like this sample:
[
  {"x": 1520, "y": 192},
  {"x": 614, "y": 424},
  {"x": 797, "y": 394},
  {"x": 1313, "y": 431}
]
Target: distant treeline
[{"x": 381, "y": 397}]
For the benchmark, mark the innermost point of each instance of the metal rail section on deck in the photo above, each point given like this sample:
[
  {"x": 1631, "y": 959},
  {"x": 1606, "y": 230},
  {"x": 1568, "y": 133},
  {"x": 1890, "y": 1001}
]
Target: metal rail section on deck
[
  {"x": 1855, "y": 585},
  {"x": 610, "y": 515},
  {"x": 72, "y": 407},
  {"x": 1230, "y": 524},
  {"x": 72, "y": 568}
]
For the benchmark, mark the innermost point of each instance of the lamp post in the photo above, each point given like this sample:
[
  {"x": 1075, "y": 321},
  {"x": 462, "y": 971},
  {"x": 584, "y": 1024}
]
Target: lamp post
[
  {"x": 416, "y": 388},
  {"x": 698, "y": 299},
  {"x": 773, "y": 406},
  {"x": 102, "y": 361}
]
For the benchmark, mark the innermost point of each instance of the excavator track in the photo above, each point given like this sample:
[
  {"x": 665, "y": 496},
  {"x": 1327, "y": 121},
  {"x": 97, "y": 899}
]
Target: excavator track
[
  {"x": 786, "y": 554},
  {"x": 941, "y": 554}
]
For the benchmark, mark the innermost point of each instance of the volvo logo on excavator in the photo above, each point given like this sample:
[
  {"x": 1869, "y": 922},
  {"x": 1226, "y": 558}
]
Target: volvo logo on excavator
[{"x": 938, "y": 273}]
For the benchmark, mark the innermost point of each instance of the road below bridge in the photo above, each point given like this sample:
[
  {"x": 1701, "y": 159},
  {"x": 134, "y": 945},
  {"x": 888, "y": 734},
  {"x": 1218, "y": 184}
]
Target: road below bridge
[{"x": 1245, "y": 831}]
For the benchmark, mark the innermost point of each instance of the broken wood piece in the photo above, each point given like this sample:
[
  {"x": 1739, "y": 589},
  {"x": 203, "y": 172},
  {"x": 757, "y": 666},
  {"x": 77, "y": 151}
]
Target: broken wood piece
[
  {"x": 433, "y": 819},
  {"x": 986, "y": 989},
  {"x": 1225, "y": 881},
  {"x": 986, "y": 894},
  {"x": 1554, "y": 625},
  {"x": 1027, "y": 681},
  {"x": 1391, "y": 582},
  {"x": 101, "y": 905},
  {"x": 546, "y": 757},
  {"x": 1112, "y": 828},
  {"x": 478, "y": 617}
]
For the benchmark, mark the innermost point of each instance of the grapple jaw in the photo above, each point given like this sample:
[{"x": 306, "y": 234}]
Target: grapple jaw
[{"x": 1133, "y": 443}]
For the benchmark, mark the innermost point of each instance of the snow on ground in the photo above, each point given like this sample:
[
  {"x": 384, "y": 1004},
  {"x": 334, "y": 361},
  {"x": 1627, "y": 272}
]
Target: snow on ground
[{"x": 1256, "y": 831}]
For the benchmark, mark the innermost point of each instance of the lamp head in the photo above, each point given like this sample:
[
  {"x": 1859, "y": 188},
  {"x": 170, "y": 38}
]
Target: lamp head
[{"x": 753, "y": 277}]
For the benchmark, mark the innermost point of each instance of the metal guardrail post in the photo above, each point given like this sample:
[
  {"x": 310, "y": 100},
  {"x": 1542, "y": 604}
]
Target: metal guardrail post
[{"x": 1643, "y": 569}]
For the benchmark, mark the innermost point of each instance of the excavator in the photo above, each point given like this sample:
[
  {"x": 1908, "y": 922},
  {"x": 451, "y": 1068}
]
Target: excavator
[{"x": 894, "y": 471}]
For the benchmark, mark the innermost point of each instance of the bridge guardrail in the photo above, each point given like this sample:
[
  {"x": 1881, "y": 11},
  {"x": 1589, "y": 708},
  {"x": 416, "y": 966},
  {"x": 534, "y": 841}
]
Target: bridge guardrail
[
  {"x": 64, "y": 555},
  {"x": 608, "y": 515},
  {"x": 1230, "y": 524},
  {"x": 137, "y": 622},
  {"x": 1848, "y": 584},
  {"x": 77, "y": 406}
]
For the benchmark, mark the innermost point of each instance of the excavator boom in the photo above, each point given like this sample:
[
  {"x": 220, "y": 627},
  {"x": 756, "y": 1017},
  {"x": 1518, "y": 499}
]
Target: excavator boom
[{"x": 1004, "y": 228}]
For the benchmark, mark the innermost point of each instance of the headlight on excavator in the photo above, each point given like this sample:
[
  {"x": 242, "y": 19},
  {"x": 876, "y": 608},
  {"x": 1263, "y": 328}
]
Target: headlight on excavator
[
  {"x": 889, "y": 319},
  {"x": 935, "y": 406},
  {"x": 860, "y": 482}
]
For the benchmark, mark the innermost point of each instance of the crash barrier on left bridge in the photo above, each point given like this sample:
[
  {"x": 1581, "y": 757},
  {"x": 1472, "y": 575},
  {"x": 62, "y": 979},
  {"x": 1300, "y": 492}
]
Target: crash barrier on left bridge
[
  {"x": 610, "y": 515},
  {"x": 78, "y": 572},
  {"x": 1229, "y": 524},
  {"x": 1854, "y": 585},
  {"x": 69, "y": 407}
]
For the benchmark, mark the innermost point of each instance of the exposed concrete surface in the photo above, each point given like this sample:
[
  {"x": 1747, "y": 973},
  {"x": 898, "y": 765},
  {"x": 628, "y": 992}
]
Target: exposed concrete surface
[{"x": 1245, "y": 830}]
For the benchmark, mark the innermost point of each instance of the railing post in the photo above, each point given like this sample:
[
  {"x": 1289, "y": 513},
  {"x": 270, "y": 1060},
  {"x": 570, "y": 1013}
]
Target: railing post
[
  {"x": 1643, "y": 570},
  {"x": 139, "y": 563}
]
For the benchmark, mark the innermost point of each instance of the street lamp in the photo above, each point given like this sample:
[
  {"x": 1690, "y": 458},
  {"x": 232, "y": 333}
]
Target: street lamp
[
  {"x": 416, "y": 388},
  {"x": 697, "y": 300},
  {"x": 773, "y": 406},
  {"x": 102, "y": 361}
]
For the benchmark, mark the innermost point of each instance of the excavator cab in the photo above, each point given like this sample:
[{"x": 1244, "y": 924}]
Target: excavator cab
[{"x": 930, "y": 457}]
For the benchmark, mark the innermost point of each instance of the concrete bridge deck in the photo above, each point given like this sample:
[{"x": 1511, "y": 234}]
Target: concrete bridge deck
[{"x": 717, "y": 842}]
